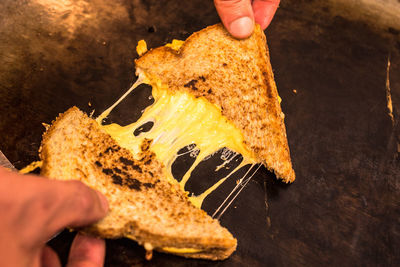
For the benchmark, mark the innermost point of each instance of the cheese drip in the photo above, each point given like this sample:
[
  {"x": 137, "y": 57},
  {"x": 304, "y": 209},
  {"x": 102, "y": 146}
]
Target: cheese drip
[
  {"x": 181, "y": 250},
  {"x": 180, "y": 119},
  {"x": 31, "y": 167}
]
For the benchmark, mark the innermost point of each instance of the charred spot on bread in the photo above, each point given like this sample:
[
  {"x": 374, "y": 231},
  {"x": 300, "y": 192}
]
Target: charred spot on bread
[
  {"x": 133, "y": 183},
  {"x": 191, "y": 84},
  {"x": 107, "y": 171},
  {"x": 111, "y": 149},
  {"x": 145, "y": 144},
  {"x": 148, "y": 185},
  {"x": 116, "y": 179},
  {"x": 98, "y": 163},
  {"x": 115, "y": 169},
  {"x": 125, "y": 161},
  {"x": 137, "y": 168}
]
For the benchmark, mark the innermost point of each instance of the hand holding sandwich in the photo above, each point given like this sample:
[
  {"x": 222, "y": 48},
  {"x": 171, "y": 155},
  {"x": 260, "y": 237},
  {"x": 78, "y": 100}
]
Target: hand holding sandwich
[
  {"x": 238, "y": 16},
  {"x": 33, "y": 209}
]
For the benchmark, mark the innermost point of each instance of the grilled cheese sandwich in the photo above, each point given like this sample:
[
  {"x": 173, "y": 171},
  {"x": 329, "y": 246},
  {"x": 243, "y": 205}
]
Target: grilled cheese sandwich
[{"x": 211, "y": 92}]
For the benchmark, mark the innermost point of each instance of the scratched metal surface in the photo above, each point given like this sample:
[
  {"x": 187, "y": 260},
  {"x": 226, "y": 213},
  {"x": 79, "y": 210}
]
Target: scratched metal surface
[
  {"x": 4, "y": 162},
  {"x": 331, "y": 72}
]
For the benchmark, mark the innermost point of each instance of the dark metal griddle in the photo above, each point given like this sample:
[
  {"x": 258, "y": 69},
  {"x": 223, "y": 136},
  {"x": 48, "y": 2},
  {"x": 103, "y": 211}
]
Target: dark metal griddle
[{"x": 344, "y": 207}]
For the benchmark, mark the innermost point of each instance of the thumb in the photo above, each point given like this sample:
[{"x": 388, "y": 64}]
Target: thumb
[
  {"x": 86, "y": 251},
  {"x": 264, "y": 11},
  {"x": 237, "y": 16}
]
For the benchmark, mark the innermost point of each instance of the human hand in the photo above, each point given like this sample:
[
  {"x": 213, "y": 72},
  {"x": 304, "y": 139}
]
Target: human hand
[
  {"x": 238, "y": 16},
  {"x": 33, "y": 209}
]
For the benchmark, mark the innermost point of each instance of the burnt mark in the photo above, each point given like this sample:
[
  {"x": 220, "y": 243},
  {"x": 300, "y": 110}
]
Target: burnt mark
[
  {"x": 125, "y": 161},
  {"x": 133, "y": 183},
  {"x": 269, "y": 93},
  {"x": 152, "y": 175},
  {"x": 116, "y": 170},
  {"x": 224, "y": 64},
  {"x": 116, "y": 179},
  {"x": 191, "y": 84},
  {"x": 111, "y": 149},
  {"x": 209, "y": 91},
  {"x": 107, "y": 171},
  {"x": 98, "y": 163},
  {"x": 145, "y": 145},
  {"x": 123, "y": 172},
  {"x": 137, "y": 168},
  {"x": 147, "y": 162},
  {"x": 148, "y": 185},
  {"x": 202, "y": 78}
]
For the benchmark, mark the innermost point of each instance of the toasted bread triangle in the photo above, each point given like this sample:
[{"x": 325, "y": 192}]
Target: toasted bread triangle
[
  {"x": 235, "y": 75},
  {"x": 144, "y": 206}
]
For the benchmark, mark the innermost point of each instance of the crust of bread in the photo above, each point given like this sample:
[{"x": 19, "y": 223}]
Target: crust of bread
[
  {"x": 235, "y": 75},
  {"x": 144, "y": 206}
]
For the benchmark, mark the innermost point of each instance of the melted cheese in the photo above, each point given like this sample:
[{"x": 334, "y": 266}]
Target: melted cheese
[
  {"x": 180, "y": 119},
  {"x": 198, "y": 200},
  {"x": 175, "y": 44},
  {"x": 31, "y": 167},
  {"x": 141, "y": 47},
  {"x": 181, "y": 250}
]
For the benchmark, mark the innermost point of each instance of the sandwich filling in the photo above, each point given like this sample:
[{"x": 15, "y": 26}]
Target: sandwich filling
[{"x": 180, "y": 120}]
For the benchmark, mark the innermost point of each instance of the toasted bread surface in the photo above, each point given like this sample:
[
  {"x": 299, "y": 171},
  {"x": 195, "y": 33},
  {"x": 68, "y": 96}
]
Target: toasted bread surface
[
  {"x": 235, "y": 75},
  {"x": 144, "y": 206}
]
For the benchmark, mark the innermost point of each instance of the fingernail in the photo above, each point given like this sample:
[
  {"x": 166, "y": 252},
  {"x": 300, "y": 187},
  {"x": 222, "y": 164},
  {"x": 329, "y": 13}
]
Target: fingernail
[
  {"x": 264, "y": 17},
  {"x": 242, "y": 27},
  {"x": 103, "y": 201}
]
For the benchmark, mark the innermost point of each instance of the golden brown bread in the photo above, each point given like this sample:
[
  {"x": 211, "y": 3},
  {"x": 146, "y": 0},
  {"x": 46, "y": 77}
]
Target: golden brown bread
[
  {"x": 144, "y": 206},
  {"x": 235, "y": 75}
]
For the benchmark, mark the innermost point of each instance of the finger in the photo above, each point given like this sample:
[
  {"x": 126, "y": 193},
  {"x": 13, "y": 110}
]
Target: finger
[
  {"x": 87, "y": 251},
  {"x": 78, "y": 205},
  {"x": 237, "y": 16},
  {"x": 49, "y": 258},
  {"x": 264, "y": 11},
  {"x": 51, "y": 205},
  {"x": 40, "y": 207}
]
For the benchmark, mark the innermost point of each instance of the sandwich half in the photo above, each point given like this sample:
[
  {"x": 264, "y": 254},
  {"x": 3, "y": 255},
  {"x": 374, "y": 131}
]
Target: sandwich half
[
  {"x": 144, "y": 205},
  {"x": 236, "y": 76}
]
